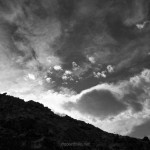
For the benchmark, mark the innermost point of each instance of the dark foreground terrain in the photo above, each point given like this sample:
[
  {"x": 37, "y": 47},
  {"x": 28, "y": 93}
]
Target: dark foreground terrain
[{"x": 30, "y": 125}]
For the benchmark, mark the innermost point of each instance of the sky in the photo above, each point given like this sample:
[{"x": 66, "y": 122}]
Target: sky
[{"x": 89, "y": 59}]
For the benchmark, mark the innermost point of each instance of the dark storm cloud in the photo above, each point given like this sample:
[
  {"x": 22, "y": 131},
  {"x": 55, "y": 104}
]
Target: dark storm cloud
[
  {"x": 141, "y": 130},
  {"x": 97, "y": 29},
  {"x": 98, "y": 103}
]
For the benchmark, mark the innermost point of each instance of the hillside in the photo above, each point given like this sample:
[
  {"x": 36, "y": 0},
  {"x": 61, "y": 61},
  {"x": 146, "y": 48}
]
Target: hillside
[{"x": 30, "y": 125}]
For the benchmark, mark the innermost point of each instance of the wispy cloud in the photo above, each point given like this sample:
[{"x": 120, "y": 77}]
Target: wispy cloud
[{"x": 79, "y": 57}]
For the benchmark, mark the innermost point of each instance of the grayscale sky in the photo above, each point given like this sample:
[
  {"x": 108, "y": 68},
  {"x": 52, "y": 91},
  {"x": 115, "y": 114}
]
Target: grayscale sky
[{"x": 89, "y": 59}]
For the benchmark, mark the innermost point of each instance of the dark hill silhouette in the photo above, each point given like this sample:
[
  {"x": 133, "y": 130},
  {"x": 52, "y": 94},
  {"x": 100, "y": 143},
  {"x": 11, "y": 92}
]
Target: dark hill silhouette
[{"x": 30, "y": 125}]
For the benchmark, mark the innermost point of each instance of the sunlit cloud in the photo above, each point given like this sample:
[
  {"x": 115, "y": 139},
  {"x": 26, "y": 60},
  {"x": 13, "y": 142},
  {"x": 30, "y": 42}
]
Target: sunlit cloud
[{"x": 80, "y": 58}]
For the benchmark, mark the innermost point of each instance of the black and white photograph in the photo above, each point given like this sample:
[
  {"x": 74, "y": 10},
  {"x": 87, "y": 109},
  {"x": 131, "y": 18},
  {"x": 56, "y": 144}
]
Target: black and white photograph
[{"x": 74, "y": 74}]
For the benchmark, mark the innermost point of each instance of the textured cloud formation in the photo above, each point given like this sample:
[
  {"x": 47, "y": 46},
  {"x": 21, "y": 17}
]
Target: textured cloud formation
[
  {"x": 126, "y": 101},
  {"x": 84, "y": 52},
  {"x": 28, "y": 29},
  {"x": 141, "y": 130},
  {"x": 98, "y": 103},
  {"x": 38, "y": 35}
]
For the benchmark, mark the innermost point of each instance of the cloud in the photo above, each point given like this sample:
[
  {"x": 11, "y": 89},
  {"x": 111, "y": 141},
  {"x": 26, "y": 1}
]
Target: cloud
[
  {"x": 141, "y": 130},
  {"x": 98, "y": 103},
  {"x": 26, "y": 39},
  {"x": 26, "y": 34},
  {"x": 111, "y": 99},
  {"x": 38, "y": 35},
  {"x": 115, "y": 107},
  {"x": 138, "y": 13},
  {"x": 83, "y": 55}
]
